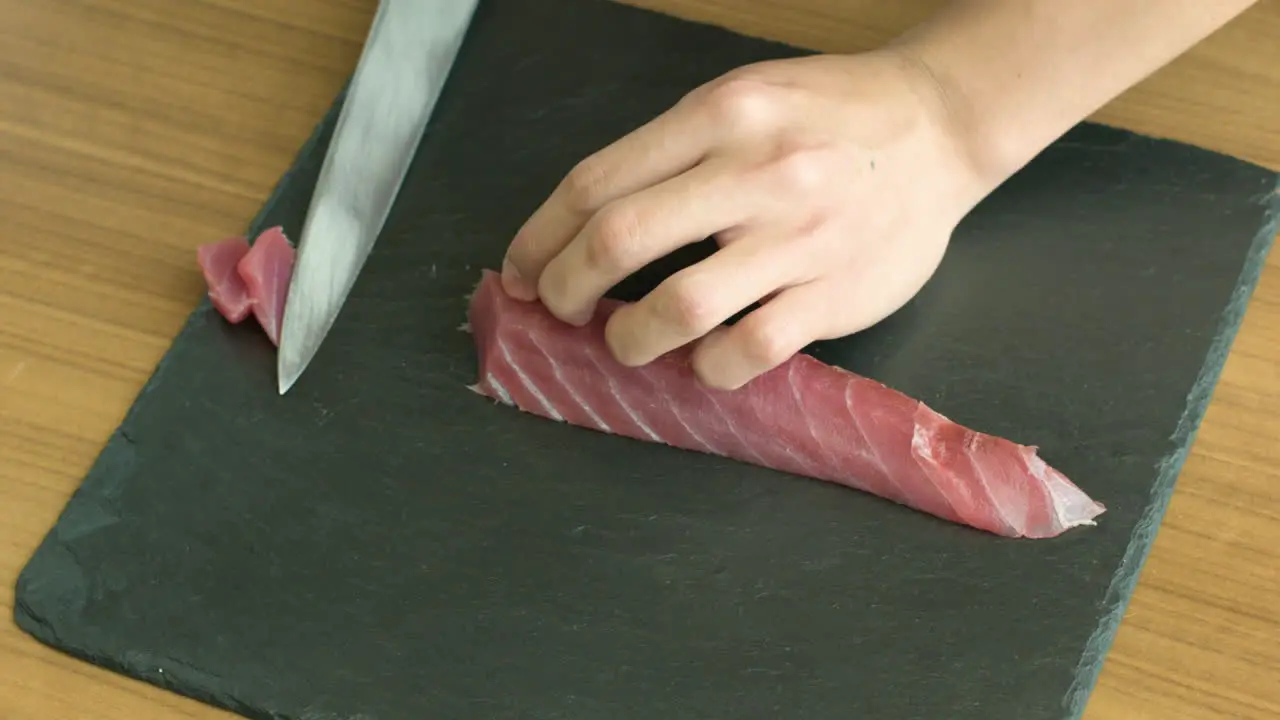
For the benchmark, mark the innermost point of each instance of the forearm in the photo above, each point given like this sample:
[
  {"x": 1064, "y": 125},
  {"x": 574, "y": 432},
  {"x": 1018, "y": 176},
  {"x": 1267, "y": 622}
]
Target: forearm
[{"x": 1016, "y": 74}]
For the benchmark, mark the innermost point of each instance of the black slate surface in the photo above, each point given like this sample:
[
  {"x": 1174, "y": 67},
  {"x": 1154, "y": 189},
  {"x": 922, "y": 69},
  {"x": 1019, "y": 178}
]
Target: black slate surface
[{"x": 382, "y": 543}]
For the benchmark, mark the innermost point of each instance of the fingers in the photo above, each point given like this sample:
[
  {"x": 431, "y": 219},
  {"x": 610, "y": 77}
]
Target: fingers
[
  {"x": 632, "y": 232},
  {"x": 668, "y": 145},
  {"x": 732, "y": 356},
  {"x": 543, "y": 235},
  {"x": 696, "y": 300}
]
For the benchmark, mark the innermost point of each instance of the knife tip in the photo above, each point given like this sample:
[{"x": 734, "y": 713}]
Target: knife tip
[{"x": 287, "y": 374}]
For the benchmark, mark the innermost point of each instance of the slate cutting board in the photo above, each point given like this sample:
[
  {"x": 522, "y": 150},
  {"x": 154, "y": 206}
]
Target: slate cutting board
[{"x": 382, "y": 543}]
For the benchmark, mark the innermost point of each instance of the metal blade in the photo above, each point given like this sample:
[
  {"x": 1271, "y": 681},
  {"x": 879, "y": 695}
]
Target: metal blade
[{"x": 406, "y": 59}]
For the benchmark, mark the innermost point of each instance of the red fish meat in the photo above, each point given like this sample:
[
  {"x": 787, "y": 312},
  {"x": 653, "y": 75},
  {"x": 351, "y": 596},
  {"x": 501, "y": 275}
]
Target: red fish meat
[
  {"x": 227, "y": 291},
  {"x": 244, "y": 279},
  {"x": 804, "y": 417},
  {"x": 267, "y": 270}
]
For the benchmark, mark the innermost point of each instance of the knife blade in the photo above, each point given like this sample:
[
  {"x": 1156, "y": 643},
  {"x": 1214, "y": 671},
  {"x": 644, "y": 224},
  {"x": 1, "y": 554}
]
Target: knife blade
[{"x": 407, "y": 56}]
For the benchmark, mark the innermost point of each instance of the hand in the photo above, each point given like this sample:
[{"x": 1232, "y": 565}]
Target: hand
[{"x": 831, "y": 185}]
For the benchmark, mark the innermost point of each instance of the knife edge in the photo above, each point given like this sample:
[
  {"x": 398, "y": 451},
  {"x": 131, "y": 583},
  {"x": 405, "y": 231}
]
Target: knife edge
[{"x": 409, "y": 53}]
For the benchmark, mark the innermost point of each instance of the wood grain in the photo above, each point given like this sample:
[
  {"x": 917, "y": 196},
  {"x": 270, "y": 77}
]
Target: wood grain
[{"x": 132, "y": 130}]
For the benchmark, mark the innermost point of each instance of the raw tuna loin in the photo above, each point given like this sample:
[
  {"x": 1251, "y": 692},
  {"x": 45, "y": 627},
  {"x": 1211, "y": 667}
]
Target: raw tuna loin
[
  {"x": 244, "y": 279},
  {"x": 804, "y": 417}
]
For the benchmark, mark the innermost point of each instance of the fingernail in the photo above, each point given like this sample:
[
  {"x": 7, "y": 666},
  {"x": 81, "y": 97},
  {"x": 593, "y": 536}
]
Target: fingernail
[
  {"x": 615, "y": 340},
  {"x": 515, "y": 285},
  {"x": 580, "y": 318},
  {"x": 712, "y": 368}
]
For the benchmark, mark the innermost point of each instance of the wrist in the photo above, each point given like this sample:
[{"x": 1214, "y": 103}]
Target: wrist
[
  {"x": 960, "y": 150},
  {"x": 1014, "y": 75},
  {"x": 989, "y": 156}
]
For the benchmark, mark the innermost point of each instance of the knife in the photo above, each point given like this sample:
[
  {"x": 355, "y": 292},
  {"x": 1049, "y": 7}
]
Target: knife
[{"x": 406, "y": 58}]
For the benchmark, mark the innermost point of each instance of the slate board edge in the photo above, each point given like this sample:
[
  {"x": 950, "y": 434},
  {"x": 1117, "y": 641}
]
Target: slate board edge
[
  {"x": 184, "y": 680},
  {"x": 164, "y": 673},
  {"x": 1120, "y": 591}
]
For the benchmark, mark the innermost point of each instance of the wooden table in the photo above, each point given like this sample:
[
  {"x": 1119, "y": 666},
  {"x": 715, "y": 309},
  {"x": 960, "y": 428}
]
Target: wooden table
[{"x": 132, "y": 130}]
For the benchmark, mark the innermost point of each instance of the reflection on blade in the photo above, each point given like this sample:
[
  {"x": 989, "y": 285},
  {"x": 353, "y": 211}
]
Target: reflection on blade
[{"x": 411, "y": 48}]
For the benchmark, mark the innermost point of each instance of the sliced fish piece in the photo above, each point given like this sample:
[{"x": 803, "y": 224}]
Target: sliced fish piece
[
  {"x": 227, "y": 291},
  {"x": 244, "y": 279}
]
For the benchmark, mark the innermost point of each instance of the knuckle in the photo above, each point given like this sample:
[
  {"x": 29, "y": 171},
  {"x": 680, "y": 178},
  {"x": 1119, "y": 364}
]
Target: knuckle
[
  {"x": 612, "y": 245},
  {"x": 742, "y": 105},
  {"x": 688, "y": 306},
  {"x": 802, "y": 172},
  {"x": 584, "y": 186}
]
